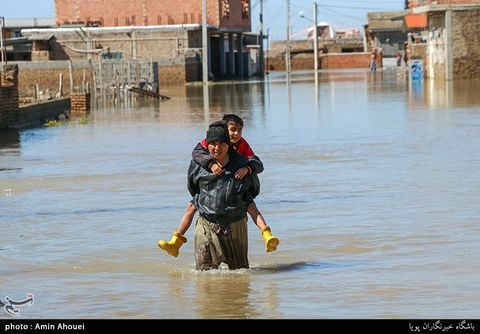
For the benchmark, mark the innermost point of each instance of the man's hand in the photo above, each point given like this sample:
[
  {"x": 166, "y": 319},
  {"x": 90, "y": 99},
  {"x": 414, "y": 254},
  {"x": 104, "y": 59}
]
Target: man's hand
[{"x": 241, "y": 172}]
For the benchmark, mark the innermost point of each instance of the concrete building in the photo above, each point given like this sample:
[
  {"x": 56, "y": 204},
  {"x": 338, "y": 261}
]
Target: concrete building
[
  {"x": 20, "y": 48},
  {"x": 231, "y": 15},
  {"x": 332, "y": 44},
  {"x": 131, "y": 29},
  {"x": 452, "y": 48},
  {"x": 386, "y": 31},
  {"x": 163, "y": 31}
]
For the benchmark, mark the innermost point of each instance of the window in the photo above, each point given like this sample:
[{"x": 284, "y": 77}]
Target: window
[
  {"x": 112, "y": 55},
  {"x": 225, "y": 9},
  {"x": 245, "y": 9}
]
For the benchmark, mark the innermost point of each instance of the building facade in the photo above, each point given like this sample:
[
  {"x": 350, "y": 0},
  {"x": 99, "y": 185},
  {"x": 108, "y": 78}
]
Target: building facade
[
  {"x": 452, "y": 48},
  {"x": 20, "y": 48},
  {"x": 419, "y": 3},
  {"x": 167, "y": 32},
  {"x": 386, "y": 31},
  {"x": 225, "y": 14}
]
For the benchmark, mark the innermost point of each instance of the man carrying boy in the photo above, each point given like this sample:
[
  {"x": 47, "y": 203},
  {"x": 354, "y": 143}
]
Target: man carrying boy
[
  {"x": 202, "y": 156},
  {"x": 222, "y": 201}
]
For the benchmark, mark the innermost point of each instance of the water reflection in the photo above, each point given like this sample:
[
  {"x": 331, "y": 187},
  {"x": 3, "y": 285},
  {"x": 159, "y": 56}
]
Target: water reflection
[
  {"x": 366, "y": 164},
  {"x": 215, "y": 100},
  {"x": 416, "y": 96},
  {"x": 444, "y": 94},
  {"x": 222, "y": 295},
  {"x": 206, "y": 103},
  {"x": 9, "y": 147},
  {"x": 10, "y": 139}
]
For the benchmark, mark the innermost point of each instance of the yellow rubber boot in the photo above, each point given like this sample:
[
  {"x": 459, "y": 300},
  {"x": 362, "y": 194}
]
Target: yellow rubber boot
[
  {"x": 173, "y": 246},
  {"x": 271, "y": 242}
]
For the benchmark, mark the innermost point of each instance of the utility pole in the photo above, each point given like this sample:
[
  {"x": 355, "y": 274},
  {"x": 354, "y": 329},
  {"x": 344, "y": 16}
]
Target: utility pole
[
  {"x": 287, "y": 51},
  {"x": 204, "y": 43},
  {"x": 261, "y": 54},
  {"x": 315, "y": 40},
  {"x": 2, "y": 51}
]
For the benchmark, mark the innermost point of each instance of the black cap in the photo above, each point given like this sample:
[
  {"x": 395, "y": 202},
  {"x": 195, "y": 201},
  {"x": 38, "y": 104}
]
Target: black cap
[{"x": 218, "y": 131}]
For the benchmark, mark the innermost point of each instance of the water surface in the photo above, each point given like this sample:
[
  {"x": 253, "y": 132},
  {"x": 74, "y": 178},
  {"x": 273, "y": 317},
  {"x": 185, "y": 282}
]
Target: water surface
[{"x": 370, "y": 183}]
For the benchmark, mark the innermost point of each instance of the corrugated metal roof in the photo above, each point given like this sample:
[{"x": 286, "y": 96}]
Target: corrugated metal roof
[
  {"x": 16, "y": 41},
  {"x": 29, "y": 23}
]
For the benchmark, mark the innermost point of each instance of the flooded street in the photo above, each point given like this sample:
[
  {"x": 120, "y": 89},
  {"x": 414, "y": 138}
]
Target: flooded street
[{"x": 371, "y": 185}]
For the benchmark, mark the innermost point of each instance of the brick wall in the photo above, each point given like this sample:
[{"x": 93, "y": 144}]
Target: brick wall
[
  {"x": 179, "y": 73},
  {"x": 327, "y": 61},
  {"x": 46, "y": 75},
  {"x": 80, "y": 104},
  {"x": 8, "y": 95},
  {"x": 348, "y": 60},
  {"x": 48, "y": 80},
  {"x": 298, "y": 62},
  {"x": 466, "y": 44},
  {"x": 143, "y": 44},
  {"x": 417, "y": 3},
  {"x": 111, "y": 13}
]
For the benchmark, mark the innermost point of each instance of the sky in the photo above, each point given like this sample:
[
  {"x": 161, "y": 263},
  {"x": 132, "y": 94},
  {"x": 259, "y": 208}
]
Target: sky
[{"x": 341, "y": 14}]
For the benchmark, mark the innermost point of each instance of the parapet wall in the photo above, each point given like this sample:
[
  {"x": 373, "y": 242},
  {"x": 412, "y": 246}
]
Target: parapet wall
[{"x": 326, "y": 61}]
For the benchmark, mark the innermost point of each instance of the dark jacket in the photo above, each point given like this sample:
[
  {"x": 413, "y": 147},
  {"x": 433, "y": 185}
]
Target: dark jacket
[
  {"x": 222, "y": 199},
  {"x": 203, "y": 157}
]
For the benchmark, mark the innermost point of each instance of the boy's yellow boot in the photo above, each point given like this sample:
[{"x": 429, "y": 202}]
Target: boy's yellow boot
[
  {"x": 173, "y": 246},
  {"x": 271, "y": 242}
]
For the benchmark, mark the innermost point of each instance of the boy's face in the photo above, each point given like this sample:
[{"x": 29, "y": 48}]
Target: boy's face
[
  {"x": 218, "y": 150},
  {"x": 235, "y": 132}
]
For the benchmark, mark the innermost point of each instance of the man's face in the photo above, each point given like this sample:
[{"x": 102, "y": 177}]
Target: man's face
[
  {"x": 218, "y": 150},
  {"x": 235, "y": 132}
]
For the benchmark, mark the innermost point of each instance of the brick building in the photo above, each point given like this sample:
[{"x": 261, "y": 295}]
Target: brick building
[
  {"x": 233, "y": 14},
  {"x": 18, "y": 47},
  {"x": 452, "y": 48},
  {"x": 419, "y": 3},
  {"x": 163, "y": 30}
]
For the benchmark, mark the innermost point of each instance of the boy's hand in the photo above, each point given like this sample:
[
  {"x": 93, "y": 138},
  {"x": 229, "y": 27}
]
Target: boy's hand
[
  {"x": 241, "y": 172},
  {"x": 216, "y": 169}
]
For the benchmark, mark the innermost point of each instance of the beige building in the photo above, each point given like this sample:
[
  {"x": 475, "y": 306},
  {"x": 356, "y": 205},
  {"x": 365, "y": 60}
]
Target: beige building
[
  {"x": 168, "y": 33},
  {"x": 452, "y": 48}
]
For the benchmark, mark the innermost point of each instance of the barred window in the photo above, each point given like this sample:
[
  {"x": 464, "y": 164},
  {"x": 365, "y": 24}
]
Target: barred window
[
  {"x": 245, "y": 9},
  {"x": 225, "y": 9}
]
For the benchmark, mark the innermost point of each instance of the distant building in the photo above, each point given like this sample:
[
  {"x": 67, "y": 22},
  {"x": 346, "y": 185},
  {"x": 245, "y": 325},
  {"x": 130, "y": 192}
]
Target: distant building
[
  {"x": 18, "y": 47},
  {"x": 419, "y": 3},
  {"x": 452, "y": 44},
  {"x": 228, "y": 15},
  {"x": 386, "y": 31},
  {"x": 163, "y": 30},
  {"x": 324, "y": 30}
]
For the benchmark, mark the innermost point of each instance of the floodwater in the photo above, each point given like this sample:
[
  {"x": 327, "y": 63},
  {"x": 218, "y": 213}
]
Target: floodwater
[{"x": 371, "y": 184}]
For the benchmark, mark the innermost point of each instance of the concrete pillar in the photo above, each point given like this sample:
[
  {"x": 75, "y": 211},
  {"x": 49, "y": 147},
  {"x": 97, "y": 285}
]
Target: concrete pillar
[
  {"x": 449, "y": 45},
  {"x": 209, "y": 60},
  {"x": 223, "y": 68},
  {"x": 134, "y": 45},
  {"x": 241, "y": 70},
  {"x": 231, "y": 55}
]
